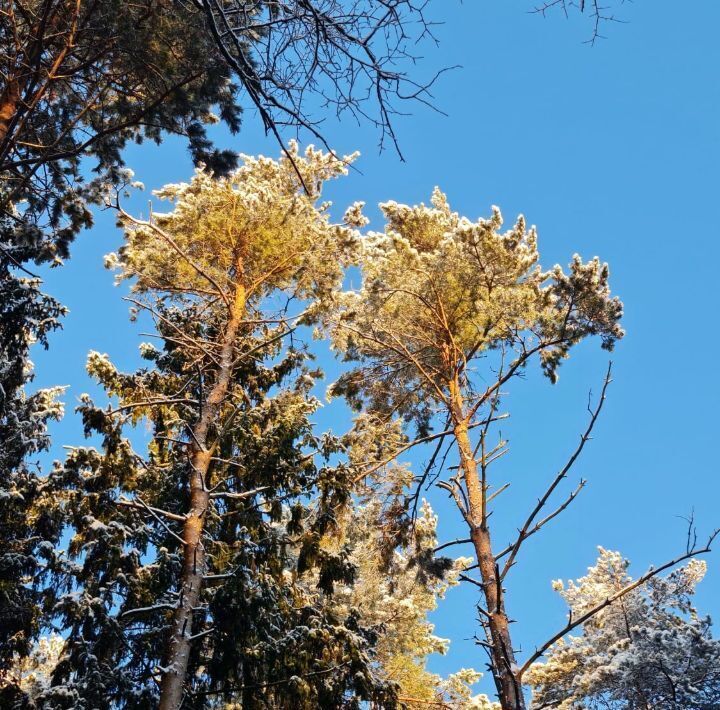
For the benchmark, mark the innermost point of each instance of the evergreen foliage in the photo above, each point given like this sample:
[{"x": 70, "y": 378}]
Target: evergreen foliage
[
  {"x": 394, "y": 594},
  {"x": 442, "y": 295},
  {"x": 188, "y": 561},
  {"x": 83, "y": 79},
  {"x": 30, "y": 525},
  {"x": 650, "y": 649},
  {"x": 80, "y": 80}
]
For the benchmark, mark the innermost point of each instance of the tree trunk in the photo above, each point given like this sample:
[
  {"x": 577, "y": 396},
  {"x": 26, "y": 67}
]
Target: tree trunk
[
  {"x": 8, "y": 107},
  {"x": 504, "y": 667},
  {"x": 44, "y": 37},
  {"x": 179, "y": 646}
]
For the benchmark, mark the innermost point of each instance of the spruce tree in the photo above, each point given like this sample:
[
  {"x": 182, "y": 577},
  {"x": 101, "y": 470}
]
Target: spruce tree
[
  {"x": 80, "y": 80},
  {"x": 30, "y": 523}
]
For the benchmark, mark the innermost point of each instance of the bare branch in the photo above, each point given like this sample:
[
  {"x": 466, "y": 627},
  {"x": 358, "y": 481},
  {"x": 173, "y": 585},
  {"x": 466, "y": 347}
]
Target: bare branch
[
  {"x": 597, "y": 13},
  {"x": 574, "y": 623},
  {"x": 458, "y": 541},
  {"x": 155, "y": 515},
  {"x": 146, "y": 609},
  {"x": 523, "y": 533},
  {"x": 416, "y": 442},
  {"x": 540, "y": 524},
  {"x": 347, "y": 55},
  {"x": 154, "y": 403}
]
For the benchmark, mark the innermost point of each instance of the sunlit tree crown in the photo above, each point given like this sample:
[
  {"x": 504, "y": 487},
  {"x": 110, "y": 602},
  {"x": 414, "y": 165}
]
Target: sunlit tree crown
[
  {"x": 261, "y": 227},
  {"x": 648, "y": 649},
  {"x": 439, "y": 289}
]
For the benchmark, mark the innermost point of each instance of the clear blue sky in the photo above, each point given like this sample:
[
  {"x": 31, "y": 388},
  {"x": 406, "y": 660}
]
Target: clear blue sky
[{"x": 611, "y": 150}]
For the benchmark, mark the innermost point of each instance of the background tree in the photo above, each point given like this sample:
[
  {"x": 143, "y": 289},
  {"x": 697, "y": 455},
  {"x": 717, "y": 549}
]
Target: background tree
[
  {"x": 80, "y": 79},
  {"x": 649, "y": 649},
  {"x": 440, "y": 296},
  {"x": 30, "y": 524},
  {"x": 396, "y": 587},
  {"x": 187, "y": 560},
  {"x": 31, "y": 674}
]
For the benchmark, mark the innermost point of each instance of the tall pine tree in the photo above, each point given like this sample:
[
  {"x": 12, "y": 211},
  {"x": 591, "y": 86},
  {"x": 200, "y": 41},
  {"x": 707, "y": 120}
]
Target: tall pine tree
[
  {"x": 448, "y": 312},
  {"x": 185, "y": 577}
]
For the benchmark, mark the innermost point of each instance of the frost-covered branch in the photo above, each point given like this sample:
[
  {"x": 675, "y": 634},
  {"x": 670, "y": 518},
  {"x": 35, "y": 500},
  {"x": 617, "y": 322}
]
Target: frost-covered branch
[
  {"x": 575, "y": 622},
  {"x": 141, "y": 505},
  {"x": 239, "y": 496}
]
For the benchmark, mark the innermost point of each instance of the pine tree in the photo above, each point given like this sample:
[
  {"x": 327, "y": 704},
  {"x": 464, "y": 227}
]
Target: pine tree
[
  {"x": 31, "y": 674},
  {"x": 81, "y": 80},
  {"x": 185, "y": 581},
  {"x": 398, "y": 583},
  {"x": 649, "y": 649},
  {"x": 395, "y": 592},
  {"x": 440, "y": 296}
]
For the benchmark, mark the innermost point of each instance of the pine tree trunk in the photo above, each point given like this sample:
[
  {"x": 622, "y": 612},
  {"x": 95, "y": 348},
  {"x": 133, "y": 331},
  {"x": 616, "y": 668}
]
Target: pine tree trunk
[
  {"x": 8, "y": 107},
  {"x": 35, "y": 80},
  {"x": 504, "y": 666},
  {"x": 172, "y": 687}
]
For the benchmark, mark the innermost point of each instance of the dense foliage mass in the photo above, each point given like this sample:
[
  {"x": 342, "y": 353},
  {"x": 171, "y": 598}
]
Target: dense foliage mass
[
  {"x": 80, "y": 80},
  {"x": 650, "y": 650},
  {"x": 29, "y": 524},
  {"x": 185, "y": 581}
]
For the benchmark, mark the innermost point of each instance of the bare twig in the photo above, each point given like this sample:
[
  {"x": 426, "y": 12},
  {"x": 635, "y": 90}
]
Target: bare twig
[
  {"x": 415, "y": 442},
  {"x": 542, "y": 501}
]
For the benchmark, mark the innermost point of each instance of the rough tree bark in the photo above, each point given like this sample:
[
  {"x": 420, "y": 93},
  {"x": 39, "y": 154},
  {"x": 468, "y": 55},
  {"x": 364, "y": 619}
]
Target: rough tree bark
[
  {"x": 496, "y": 620},
  {"x": 172, "y": 686},
  {"x": 8, "y": 106}
]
